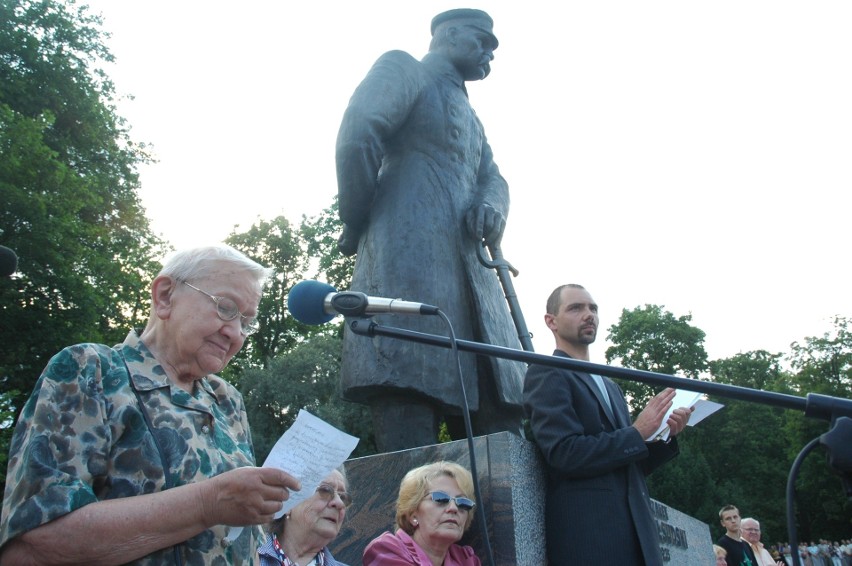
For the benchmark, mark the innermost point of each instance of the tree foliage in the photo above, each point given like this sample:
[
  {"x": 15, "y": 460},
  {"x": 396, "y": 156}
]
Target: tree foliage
[
  {"x": 277, "y": 245},
  {"x": 743, "y": 454},
  {"x": 68, "y": 181},
  {"x": 824, "y": 366},
  {"x": 650, "y": 338},
  {"x": 286, "y": 365},
  {"x": 749, "y": 457},
  {"x": 68, "y": 194},
  {"x": 294, "y": 253},
  {"x": 308, "y": 377},
  {"x": 320, "y": 234}
]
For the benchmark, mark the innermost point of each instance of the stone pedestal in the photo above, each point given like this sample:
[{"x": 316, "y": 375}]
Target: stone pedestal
[{"x": 511, "y": 482}]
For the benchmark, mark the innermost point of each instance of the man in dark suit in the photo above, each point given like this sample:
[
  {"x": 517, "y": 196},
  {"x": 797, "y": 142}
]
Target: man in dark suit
[{"x": 597, "y": 506}]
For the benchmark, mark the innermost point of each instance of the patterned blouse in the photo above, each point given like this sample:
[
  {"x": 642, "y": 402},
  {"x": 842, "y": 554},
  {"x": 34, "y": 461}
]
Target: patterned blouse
[{"x": 100, "y": 424}]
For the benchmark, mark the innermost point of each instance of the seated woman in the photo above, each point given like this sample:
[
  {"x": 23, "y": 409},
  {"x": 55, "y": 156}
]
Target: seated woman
[
  {"x": 433, "y": 510},
  {"x": 301, "y": 537}
]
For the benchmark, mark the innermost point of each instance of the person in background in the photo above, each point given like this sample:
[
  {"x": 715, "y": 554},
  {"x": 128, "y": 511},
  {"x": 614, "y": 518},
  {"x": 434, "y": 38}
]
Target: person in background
[
  {"x": 302, "y": 535},
  {"x": 739, "y": 551},
  {"x": 836, "y": 554},
  {"x": 720, "y": 555},
  {"x": 846, "y": 552},
  {"x": 596, "y": 458},
  {"x": 139, "y": 453},
  {"x": 814, "y": 553},
  {"x": 750, "y": 530},
  {"x": 433, "y": 510}
]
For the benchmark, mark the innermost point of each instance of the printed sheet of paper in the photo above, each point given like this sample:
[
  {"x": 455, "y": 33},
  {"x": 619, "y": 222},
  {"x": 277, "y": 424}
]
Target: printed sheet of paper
[
  {"x": 702, "y": 409},
  {"x": 309, "y": 450}
]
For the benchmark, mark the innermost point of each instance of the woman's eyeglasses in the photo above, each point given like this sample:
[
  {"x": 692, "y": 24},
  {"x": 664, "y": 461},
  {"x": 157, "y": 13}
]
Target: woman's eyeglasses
[
  {"x": 443, "y": 499},
  {"x": 327, "y": 492},
  {"x": 227, "y": 310}
]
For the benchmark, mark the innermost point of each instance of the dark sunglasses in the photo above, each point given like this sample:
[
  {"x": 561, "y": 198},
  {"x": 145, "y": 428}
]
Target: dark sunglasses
[{"x": 442, "y": 499}]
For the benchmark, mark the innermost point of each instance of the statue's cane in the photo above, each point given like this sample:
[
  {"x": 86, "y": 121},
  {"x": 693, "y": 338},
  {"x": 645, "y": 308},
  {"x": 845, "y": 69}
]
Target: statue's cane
[{"x": 504, "y": 268}]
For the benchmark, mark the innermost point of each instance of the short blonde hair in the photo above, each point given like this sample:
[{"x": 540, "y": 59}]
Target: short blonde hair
[
  {"x": 719, "y": 551},
  {"x": 415, "y": 487}
]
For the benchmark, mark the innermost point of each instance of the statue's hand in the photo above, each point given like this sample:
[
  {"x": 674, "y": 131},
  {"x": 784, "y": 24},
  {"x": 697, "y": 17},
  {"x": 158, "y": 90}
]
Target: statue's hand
[
  {"x": 485, "y": 222},
  {"x": 347, "y": 243}
]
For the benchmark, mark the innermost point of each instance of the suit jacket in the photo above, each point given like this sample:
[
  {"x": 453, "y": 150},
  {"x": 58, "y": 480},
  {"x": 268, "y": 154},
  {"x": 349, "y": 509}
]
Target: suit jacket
[
  {"x": 412, "y": 159},
  {"x": 597, "y": 500}
]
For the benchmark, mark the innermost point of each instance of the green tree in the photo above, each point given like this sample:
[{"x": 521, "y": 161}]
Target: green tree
[
  {"x": 321, "y": 233},
  {"x": 650, "y": 338},
  {"x": 277, "y": 245},
  {"x": 745, "y": 444},
  {"x": 308, "y": 377},
  {"x": 68, "y": 194},
  {"x": 822, "y": 365},
  {"x": 286, "y": 365}
]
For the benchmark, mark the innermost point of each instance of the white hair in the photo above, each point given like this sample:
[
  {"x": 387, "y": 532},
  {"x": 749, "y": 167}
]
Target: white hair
[{"x": 198, "y": 263}]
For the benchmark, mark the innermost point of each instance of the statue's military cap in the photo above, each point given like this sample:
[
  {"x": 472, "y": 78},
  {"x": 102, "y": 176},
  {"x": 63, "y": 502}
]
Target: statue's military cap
[{"x": 466, "y": 17}]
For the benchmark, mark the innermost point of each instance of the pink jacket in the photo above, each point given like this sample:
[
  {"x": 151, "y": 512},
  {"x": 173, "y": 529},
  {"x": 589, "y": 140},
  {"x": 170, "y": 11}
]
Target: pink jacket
[{"x": 399, "y": 549}]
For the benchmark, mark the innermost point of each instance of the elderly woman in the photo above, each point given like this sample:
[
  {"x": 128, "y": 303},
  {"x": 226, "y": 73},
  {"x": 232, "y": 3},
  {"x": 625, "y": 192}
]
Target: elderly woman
[
  {"x": 300, "y": 537},
  {"x": 140, "y": 453},
  {"x": 433, "y": 510},
  {"x": 721, "y": 555}
]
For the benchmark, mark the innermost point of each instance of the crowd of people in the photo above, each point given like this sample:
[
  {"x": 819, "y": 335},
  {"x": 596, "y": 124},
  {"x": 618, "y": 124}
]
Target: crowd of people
[
  {"x": 821, "y": 553},
  {"x": 741, "y": 546}
]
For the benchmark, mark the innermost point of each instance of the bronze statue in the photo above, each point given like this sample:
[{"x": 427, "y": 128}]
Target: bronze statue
[{"x": 418, "y": 193}]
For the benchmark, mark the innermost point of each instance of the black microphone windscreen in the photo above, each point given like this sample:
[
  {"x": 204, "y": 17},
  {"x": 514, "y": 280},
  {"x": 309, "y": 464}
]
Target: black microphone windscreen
[
  {"x": 306, "y": 302},
  {"x": 8, "y": 261}
]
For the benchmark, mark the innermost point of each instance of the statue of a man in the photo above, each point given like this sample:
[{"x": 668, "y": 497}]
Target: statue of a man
[{"x": 418, "y": 193}]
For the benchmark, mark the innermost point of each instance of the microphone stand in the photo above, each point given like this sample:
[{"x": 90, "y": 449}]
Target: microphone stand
[
  {"x": 815, "y": 405},
  {"x": 837, "y": 441}
]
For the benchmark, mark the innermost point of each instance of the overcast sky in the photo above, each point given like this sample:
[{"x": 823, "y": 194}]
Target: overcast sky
[{"x": 690, "y": 154}]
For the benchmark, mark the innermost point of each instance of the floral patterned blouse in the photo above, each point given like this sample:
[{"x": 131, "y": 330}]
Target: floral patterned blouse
[{"x": 84, "y": 437}]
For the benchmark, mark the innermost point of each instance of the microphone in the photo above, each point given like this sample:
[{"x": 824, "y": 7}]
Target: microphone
[
  {"x": 8, "y": 261},
  {"x": 313, "y": 302}
]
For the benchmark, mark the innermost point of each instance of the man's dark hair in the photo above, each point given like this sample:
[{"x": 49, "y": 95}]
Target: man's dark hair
[
  {"x": 554, "y": 301},
  {"x": 728, "y": 507}
]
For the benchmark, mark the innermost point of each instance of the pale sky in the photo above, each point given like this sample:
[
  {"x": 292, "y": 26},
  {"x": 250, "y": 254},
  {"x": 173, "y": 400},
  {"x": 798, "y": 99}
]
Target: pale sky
[{"x": 690, "y": 154}]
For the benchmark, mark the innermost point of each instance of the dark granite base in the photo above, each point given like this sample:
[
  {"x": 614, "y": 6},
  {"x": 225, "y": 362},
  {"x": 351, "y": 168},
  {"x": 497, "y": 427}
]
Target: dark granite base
[{"x": 511, "y": 482}]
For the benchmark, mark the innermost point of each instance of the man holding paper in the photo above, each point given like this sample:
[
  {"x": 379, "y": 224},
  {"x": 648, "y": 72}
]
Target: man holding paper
[{"x": 596, "y": 458}]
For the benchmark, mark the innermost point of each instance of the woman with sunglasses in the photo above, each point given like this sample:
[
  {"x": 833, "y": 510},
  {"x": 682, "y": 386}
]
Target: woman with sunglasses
[
  {"x": 300, "y": 537},
  {"x": 433, "y": 510}
]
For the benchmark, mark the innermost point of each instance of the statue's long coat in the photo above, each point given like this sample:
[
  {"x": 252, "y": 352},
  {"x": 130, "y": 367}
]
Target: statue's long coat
[{"x": 412, "y": 159}]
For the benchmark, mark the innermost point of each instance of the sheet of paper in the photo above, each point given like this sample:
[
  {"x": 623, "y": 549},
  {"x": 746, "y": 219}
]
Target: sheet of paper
[
  {"x": 309, "y": 450},
  {"x": 702, "y": 409}
]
